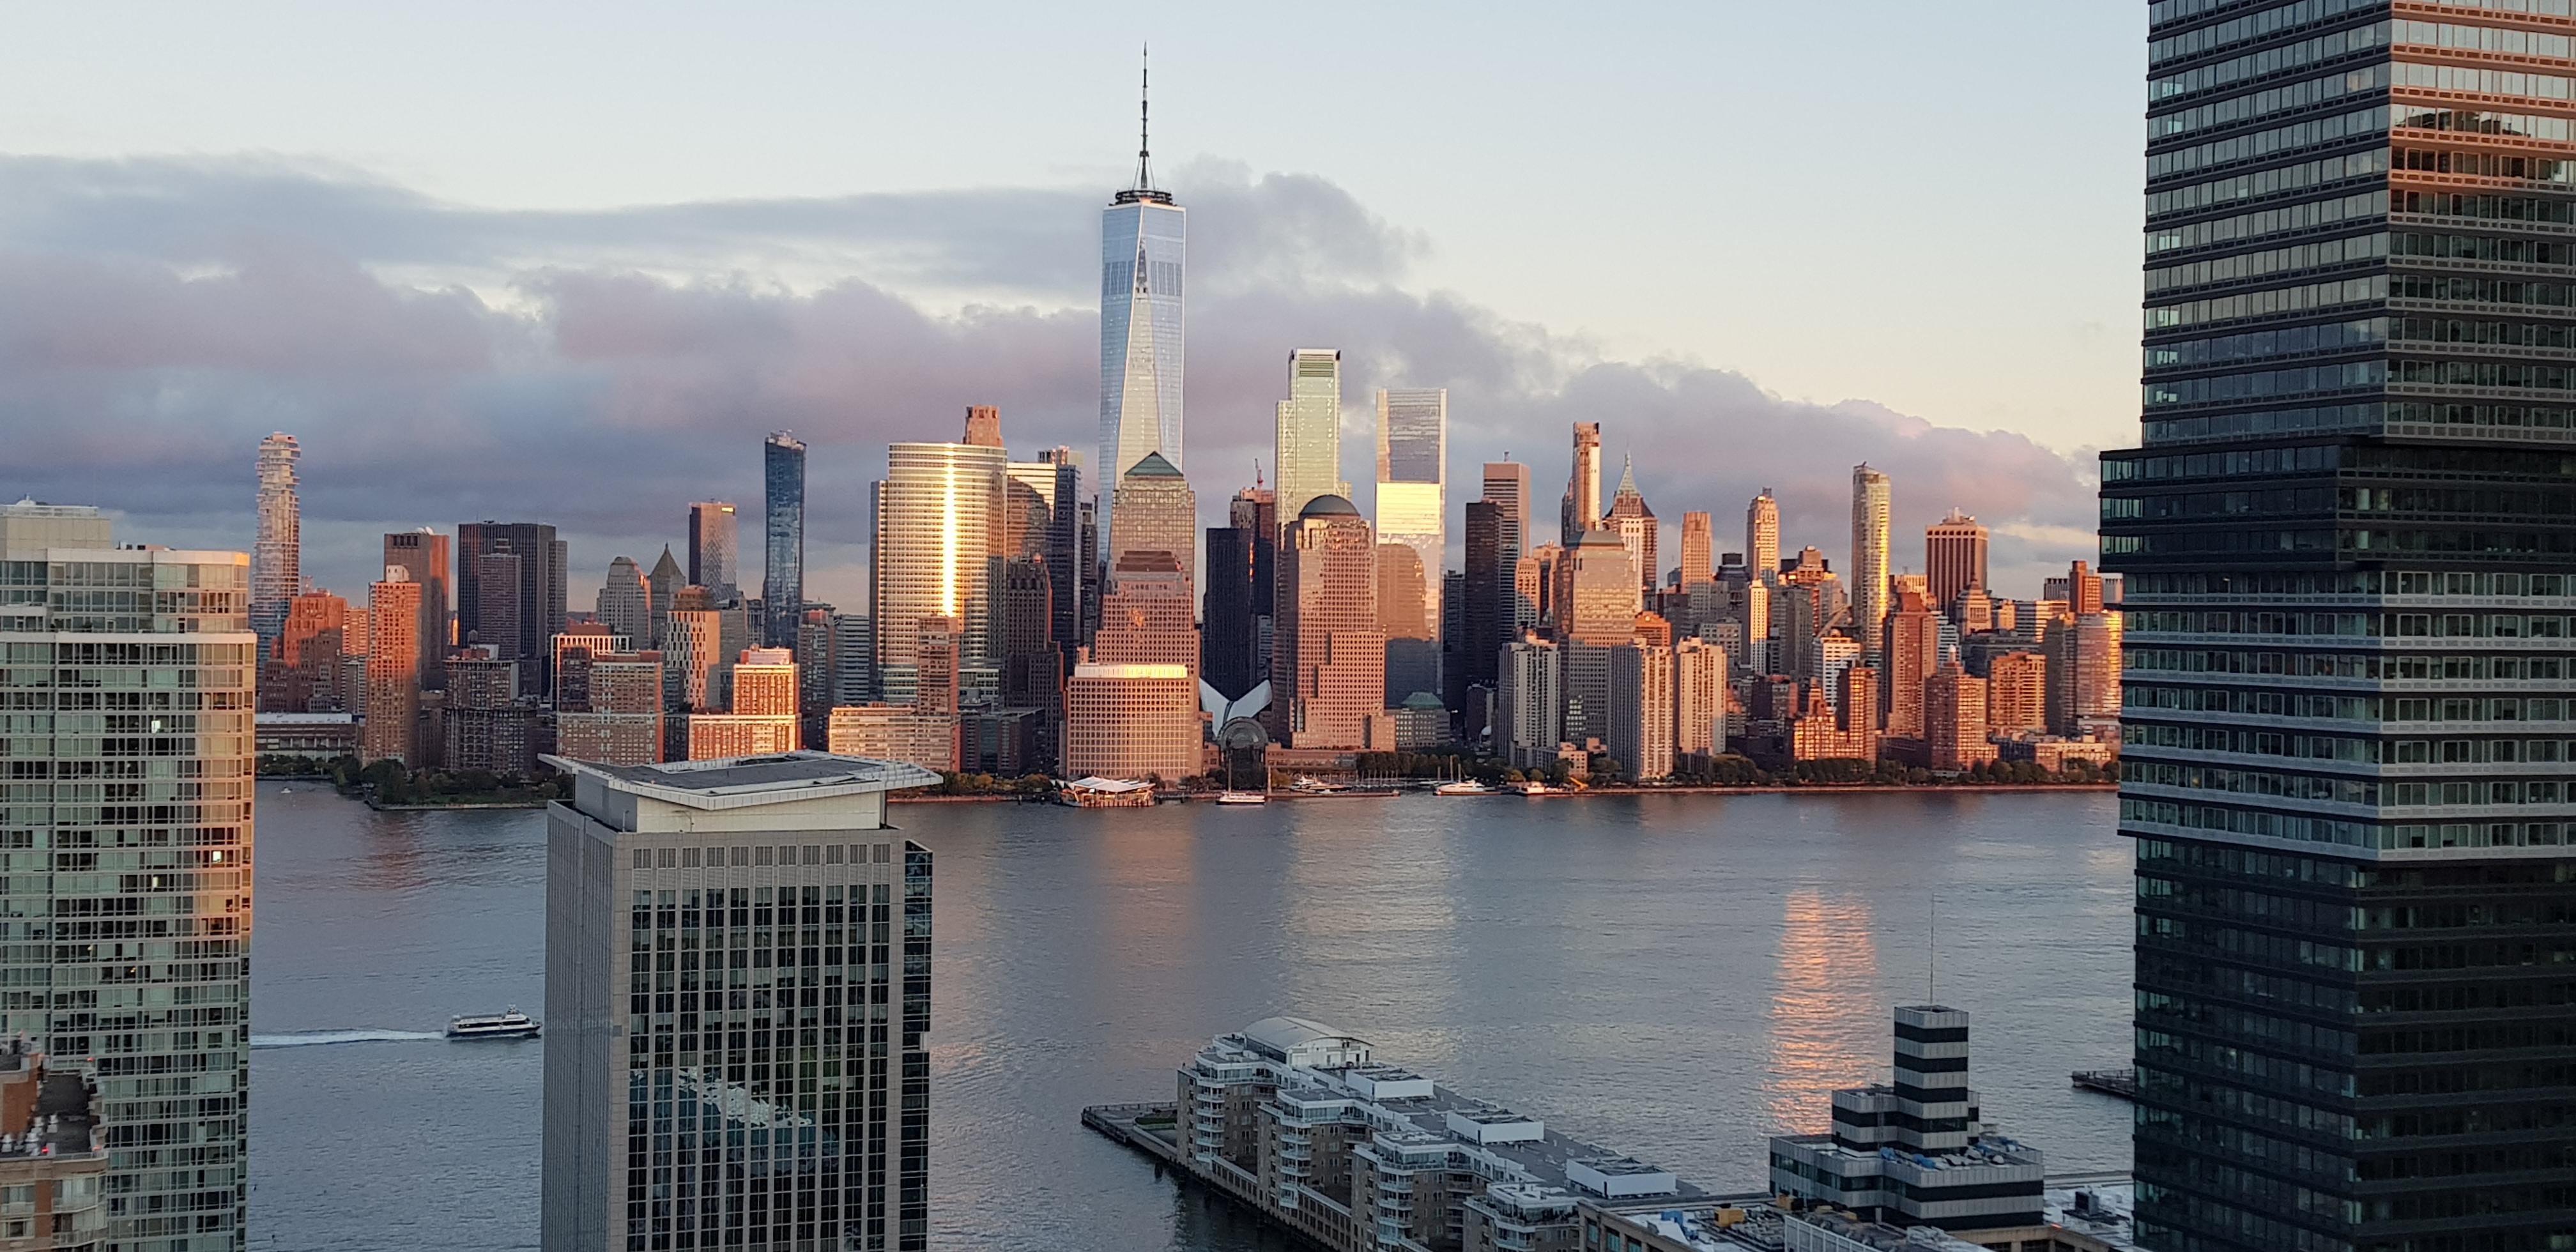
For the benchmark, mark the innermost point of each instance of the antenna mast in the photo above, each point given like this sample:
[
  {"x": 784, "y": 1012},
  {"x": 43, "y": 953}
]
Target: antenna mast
[{"x": 1144, "y": 129}]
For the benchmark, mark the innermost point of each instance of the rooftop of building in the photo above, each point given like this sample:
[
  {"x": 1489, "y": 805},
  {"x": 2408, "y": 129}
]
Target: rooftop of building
[
  {"x": 59, "y": 1119},
  {"x": 1329, "y": 505},
  {"x": 2096, "y": 1205},
  {"x": 747, "y": 780},
  {"x": 1415, "y": 1112},
  {"x": 305, "y": 719},
  {"x": 1153, "y": 466}
]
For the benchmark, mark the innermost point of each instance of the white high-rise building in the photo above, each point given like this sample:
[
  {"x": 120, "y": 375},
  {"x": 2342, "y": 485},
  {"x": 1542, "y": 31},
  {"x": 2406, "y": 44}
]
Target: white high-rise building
[
  {"x": 277, "y": 562},
  {"x": 1872, "y": 499},
  {"x": 682, "y": 1108},
  {"x": 130, "y": 701},
  {"x": 1412, "y": 505},
  {"x": 1144, "y": 249},
  {"x": 1310, "y": 431}
]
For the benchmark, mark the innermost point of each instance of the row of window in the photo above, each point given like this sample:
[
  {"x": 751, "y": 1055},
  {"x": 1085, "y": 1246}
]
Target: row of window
[
  {"x": 2479, "y": 81},
  {"x": 2299, "y": 299},
  {"x": 2263, "y": 143},
  {"x": 2485, "y": 165},
  {"x": 2515, "y": 250},
  {"x": 2358, "y": 751},
  {"x": 2325, "y": 417},
  {"x": 2257, "y": 344},
  {"x": 2262, "y": 184},
  {"x": 2499, "y": 39},
  {"x": 2218, "y": 35},
  {"x": 2486, "y": 464},
  {"x": 2244, "y": 265},
  {"x": 2356, "y": 666},
  {"x": 2482, "y": 122},
  {"x": 2258, "y": 384},
  {"x": 2307, "y": 828},
  {"x": 2263, "y": 222},
  {"x": 2211, "y": 464},
  {"x": 2354, "y": 625},
  {"x": 2520, "y": 376},
  {"x": 2482, "y": 207},
  {"x": 2287, "y": 98},
  {"x": 2268, "y": 62}
]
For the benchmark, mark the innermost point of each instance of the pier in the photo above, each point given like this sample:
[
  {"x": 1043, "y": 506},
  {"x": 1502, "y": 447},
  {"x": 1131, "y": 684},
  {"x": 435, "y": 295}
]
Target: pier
[{"x": 2114, "y": 1082}]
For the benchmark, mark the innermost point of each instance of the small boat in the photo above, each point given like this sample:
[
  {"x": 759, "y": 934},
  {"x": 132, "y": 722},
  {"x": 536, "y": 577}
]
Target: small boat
[
  {"x": 1466, "y": 787},
  {"x": 1532, "y": 788},
  {"x": 1243, "y": 797},
  {"x": 508, "y": 1024}
]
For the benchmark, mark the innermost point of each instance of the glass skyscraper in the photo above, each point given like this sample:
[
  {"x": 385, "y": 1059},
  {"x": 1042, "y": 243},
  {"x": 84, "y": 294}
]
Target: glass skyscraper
[
  {"x": 1144, "y": 244},
  {"x": 1412, "y": 508},
  {"x": 125, "y": 912},
  {"x": 782, "y": 576},
  {"x": 1310, "y": 431},
  {"x": 2348, "y": 540}
]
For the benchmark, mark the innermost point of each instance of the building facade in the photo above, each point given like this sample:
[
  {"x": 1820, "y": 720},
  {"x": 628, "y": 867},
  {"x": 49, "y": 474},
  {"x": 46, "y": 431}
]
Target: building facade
[
  {"x": 392, "y": 731},
  {"x": 1413, "y": 511},
  {"x": 1303, "y": 1123},
  {"x": 1309, "y": 449},
  {"x": 1873, "y": 500},
  {"x": 428, "y": 557},
  {"x": 1131, "y": 720},
  {"x": 526, "y": 610},
  {"x": 788, "y": 1108},
  {"x": 1579, "y": 512},
  {"x": 1144, "y": 253},
  {"x": 2349, "y": 507},
  {"x": 782, "y": 574},
  {"x": 1156, "y": 512},
  {"x": 1954, "y": 558},
  {"x": 715, "y": 549},
  {"x": 1330, "y": 677},
  {"x": 939, "y": 517},
  {"x": 277, "y": 548},
  {"x": 139, "y": 961},
  {"x": 1913, "y": 1152}
]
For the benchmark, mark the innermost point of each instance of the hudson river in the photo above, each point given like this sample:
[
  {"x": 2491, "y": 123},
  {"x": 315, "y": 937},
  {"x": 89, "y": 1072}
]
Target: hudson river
[{"x": 1674, "y": 977}]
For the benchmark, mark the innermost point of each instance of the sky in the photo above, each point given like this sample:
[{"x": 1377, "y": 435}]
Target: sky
[{"x": 570, "y": 262}]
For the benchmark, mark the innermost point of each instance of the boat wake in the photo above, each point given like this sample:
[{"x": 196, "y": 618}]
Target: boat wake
[{"x": 311, "y": 1038}]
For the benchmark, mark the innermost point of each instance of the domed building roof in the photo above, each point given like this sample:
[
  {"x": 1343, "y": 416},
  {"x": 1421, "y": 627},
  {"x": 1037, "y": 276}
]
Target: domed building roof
[{"x": 1335, "y": 506}]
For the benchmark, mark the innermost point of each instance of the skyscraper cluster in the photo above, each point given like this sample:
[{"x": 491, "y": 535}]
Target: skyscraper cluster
[{"x": 1591, "y": 652}]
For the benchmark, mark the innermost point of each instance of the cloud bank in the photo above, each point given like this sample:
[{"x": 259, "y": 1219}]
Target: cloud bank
[{"x": 600, "y": 370}]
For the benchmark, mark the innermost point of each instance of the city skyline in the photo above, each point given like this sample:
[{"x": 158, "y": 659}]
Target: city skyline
[{"x": 1355, "y": 281}]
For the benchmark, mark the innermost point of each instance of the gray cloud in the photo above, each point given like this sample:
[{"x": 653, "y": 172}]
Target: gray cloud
[{"x": 602, "y": 369}]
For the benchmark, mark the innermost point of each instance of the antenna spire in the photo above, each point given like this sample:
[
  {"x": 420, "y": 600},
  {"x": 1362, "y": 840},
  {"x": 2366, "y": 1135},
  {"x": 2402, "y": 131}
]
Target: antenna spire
[{"x": 1144, "y": 130}]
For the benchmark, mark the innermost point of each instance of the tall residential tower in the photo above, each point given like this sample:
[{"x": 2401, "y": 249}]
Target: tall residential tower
[
  {"x": 128, "y": 910},
  {"x": 276, "y": 558},
  {"x": 2348, "y": 537},
  {"x": 1872, "y": 501}
]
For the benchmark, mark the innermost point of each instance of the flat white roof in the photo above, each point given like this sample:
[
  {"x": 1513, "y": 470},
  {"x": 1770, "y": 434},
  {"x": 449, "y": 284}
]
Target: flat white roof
[{"x": 741, "y": 782}]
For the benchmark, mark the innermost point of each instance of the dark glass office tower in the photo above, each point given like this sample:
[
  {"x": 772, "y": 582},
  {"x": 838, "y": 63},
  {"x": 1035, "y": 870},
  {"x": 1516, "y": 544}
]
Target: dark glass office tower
[
  {"x": 782, "y": 574},
  {"x": 2350, "y": 701},
  {"x": 1226, "y": 633},
  {"x": 537, "y": 611}
]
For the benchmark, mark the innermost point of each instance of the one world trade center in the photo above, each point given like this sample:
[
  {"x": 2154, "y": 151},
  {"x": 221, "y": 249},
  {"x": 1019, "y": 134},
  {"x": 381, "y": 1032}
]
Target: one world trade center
[{"x": 1143, "y": 239}]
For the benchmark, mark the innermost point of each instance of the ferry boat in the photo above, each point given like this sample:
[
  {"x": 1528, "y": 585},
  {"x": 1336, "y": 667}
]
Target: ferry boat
[
  {"x": 1466, "y": 787},
  {"x": 1243, "y": 797},
  {"x": 507, "y": 1024},
  {"x": 1532, "y": 788}
]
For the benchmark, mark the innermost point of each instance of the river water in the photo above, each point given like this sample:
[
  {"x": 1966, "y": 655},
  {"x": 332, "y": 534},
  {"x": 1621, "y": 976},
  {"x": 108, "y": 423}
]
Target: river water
[{"x": 1675, "y": 977}]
